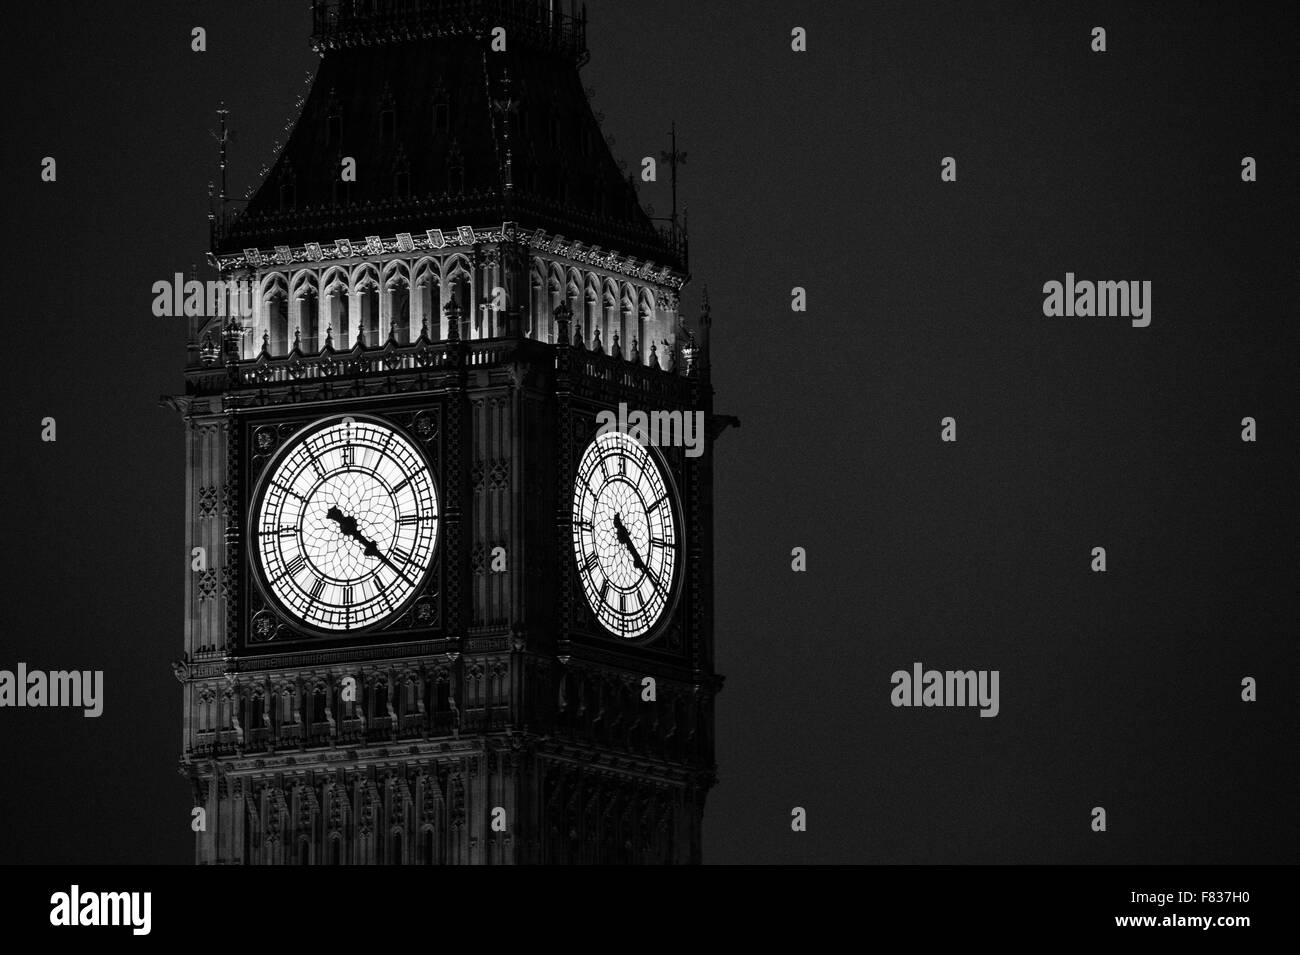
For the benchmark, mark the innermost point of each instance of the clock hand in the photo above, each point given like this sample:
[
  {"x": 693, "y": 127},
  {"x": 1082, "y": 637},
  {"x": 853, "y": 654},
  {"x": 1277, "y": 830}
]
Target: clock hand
[
  {"x": 372, "y": 550},
  {"x": 348, "y": 526},
  {"x": 625, "y": 539}
]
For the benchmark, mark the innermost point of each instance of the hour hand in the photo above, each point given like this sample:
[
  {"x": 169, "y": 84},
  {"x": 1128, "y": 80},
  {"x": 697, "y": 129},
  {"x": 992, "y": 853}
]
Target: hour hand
[
  {"x": 625, "y": 539},
  {"x": 347, "y": 524},
  {"x": 348, "y": 527}
]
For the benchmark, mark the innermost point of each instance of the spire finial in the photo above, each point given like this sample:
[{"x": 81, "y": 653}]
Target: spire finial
[
  {"x": 674, "y": 158},
  {"x": 563, "y": 315},
  {"x": 222, "y": 136}
]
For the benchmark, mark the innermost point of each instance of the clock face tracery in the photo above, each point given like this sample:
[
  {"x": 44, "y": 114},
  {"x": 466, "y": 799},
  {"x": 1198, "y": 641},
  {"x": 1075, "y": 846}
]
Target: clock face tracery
[
  {"x": 625, "y": 536},
  {"x": 345, "y": 525}
]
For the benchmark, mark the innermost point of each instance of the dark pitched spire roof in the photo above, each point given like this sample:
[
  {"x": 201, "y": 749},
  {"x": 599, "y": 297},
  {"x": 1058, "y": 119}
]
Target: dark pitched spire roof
[{"x": 446, "y": 131}]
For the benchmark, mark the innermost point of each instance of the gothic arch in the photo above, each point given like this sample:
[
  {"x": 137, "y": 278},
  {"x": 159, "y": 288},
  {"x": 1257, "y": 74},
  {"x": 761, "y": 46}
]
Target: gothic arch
[
  {"x": 334, "y": 278},
  {"x": 426, "y": 269},
  {"x": 577, "y": 282},
  {"x": 609, "y": 289},
  {"x": 207, "y": 709},
  {"x": 458, "y": 284},
  {"x": 366, "y": 288},
  {"x": 363, "y": 275},
  {"x": 397, "y": 301},
  {"x": 538, "y": 324},
  {"x": 273, "y": 305},
  {"x": 456, "y": 267},
  {"x": 628, "y": 298},
  {"x": 395, "y": 270},
  {"x": 426, "y": 295},
  {"x": 272, "y": 283},
  {"x": 428, "y": 844},
  {"x": 304, "y": 282}
]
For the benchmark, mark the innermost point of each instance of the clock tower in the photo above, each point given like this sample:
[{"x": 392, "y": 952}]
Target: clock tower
[{"x": 440, "y": 611}]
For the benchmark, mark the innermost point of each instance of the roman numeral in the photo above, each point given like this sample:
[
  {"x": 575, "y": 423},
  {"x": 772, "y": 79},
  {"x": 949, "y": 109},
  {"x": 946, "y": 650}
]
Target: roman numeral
[
  {"x": 398, "y": 487},
  {"x": 416, "y": 518},
  {"x": 347, "y": 455},
  {"x": 289, "y": 490},
  {"x": 320, "y": 471},
  {"x": 347, "y": 598},
  {"x": 633, "y": 621},
  {"x": 664, "y": 544},
  {"x": 316, "y": 590},
  {"x": 295, "y": 565},
  {"x": 592, "y": 560}
]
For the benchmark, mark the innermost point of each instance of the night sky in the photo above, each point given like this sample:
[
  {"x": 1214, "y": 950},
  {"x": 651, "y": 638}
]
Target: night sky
[{"x": 818, "y": 170}]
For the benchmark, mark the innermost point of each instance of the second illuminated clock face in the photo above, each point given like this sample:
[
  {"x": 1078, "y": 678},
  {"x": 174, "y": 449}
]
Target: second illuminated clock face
[
  {"x": 346, "y": 522},
  {"x": 625, "y": 536}
]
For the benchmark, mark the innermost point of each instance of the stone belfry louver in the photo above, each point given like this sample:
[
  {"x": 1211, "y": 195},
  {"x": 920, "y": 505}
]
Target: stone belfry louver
[{"x": 441, "y": 615}]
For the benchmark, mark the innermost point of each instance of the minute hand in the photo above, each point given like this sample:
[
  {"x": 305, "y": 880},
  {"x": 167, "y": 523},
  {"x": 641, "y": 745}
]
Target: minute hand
[{"x": 372, "y": 550}]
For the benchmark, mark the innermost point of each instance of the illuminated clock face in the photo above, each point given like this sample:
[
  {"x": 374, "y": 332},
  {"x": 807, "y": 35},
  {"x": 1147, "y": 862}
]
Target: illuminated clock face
[
  {"x": 346, "y": 522},
  {"x": 625, "y": 535}
]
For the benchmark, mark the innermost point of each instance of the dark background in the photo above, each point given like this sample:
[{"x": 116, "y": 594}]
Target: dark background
[{"x": 821, "y": 170}]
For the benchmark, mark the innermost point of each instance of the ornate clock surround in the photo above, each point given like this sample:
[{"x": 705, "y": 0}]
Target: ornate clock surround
[
  {"x": 670, "y": 637},
  {"x": 261, "y": 434}
]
